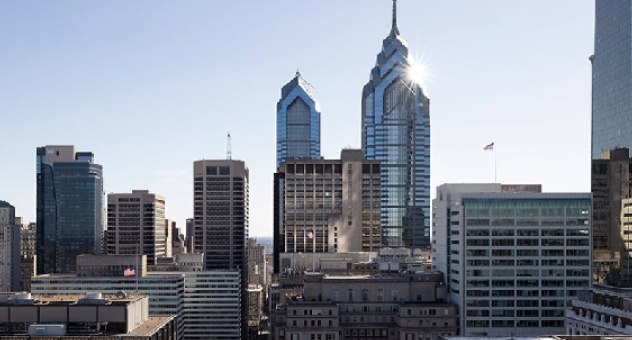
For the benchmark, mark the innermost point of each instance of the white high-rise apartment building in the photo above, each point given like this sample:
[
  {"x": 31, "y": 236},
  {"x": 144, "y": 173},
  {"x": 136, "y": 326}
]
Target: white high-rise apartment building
[
  {"x": 513, "y": 257},
  {"x": 137, "y": 225}
]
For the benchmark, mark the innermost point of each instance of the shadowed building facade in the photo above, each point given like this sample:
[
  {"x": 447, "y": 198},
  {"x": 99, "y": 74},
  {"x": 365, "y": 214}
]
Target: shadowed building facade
[
  {"x": 396, "y": 131},
  {"x": 610, "y": 183}
]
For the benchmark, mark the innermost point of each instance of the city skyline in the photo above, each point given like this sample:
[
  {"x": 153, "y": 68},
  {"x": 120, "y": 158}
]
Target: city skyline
[{"x": 74, "y": 78}]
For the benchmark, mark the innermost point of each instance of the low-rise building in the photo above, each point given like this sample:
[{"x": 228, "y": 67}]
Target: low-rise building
[
  {"x": 78, "y": 317},
  {"x": 207, "y": 303},
  {"x": 379, "y": 306},
  {"x": 165, "y": 292},
  {"x": 602, "y": 310}
]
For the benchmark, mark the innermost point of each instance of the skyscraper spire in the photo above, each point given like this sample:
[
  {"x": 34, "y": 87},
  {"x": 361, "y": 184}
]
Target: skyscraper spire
[{"x": 394, "y": 25}]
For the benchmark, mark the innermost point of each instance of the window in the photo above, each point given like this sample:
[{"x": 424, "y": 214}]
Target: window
[{"x": 380, "y": 294}]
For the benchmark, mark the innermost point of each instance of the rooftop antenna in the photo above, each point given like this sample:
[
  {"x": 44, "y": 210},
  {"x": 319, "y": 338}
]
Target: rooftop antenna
[
  {"x": 394, "y": 24},
  {"x": 229, "y": 152}
]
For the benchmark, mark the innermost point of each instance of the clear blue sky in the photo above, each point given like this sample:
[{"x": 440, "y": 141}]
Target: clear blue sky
[{"x": 151, "y": 86}]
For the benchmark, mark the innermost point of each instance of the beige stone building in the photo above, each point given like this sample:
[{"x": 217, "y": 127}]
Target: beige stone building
[
  {"x": 327, "y": 206},
  {"x": 137, "y": 225},
  {"x": 9, "y": 249},
  {"x": 380, "y": 306}
]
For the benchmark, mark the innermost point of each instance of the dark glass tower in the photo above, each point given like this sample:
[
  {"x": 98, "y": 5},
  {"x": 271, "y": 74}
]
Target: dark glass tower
[
  {"x": 611, "y": 132},
  {"x": 612, "y": 77},
  {"x": 69, "y": 208},
  {"x": 396, "y": 131},
  {"x": 298, "y": 122}
]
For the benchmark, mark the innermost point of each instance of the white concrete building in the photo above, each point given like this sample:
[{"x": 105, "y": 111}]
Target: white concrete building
[
  {"x": 513, "y": 257},
  {"x": 212, "y": 306}
]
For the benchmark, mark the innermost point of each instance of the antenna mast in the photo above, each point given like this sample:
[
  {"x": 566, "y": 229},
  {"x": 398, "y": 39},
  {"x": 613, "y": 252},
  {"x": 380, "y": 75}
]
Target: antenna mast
[{"x": 229, "y": 152}]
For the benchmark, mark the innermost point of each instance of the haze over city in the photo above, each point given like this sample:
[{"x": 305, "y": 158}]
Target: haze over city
[{"x": 149, "y": 87}]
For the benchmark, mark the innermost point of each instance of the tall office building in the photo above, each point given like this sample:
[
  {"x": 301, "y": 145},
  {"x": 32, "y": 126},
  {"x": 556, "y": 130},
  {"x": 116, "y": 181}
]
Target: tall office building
[
  {"x": 9, "y": 249},
  {"x": 69, "y": 207},
  {"x": 327, "y": 206},
  {"x": 513, "y": 257},
  {"x": 137, "y": 225},
  {"x": 220, "y": 212},
  {"x": 220, "y": 202},
  {"x": 612, "y": 76},
  {"x": 298, "y": 122},
  {"x": 396, "y": 131}
]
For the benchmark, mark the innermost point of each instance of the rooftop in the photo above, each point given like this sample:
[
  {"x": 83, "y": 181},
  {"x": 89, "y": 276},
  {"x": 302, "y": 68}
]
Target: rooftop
[{"x": 150, "y": 326}]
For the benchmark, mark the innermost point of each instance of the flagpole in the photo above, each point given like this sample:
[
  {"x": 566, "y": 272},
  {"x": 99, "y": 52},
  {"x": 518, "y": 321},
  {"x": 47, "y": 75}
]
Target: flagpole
[
  {"x": 137, "y": 268},
  {"x": 495, "y": 167}
]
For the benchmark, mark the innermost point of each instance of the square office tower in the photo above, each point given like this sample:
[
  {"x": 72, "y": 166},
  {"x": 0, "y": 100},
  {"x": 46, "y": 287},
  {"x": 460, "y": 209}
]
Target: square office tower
[{"x": 513, "y": 260}]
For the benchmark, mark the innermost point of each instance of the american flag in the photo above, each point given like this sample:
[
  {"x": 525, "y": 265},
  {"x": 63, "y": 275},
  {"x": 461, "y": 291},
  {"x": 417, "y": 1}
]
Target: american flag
[
  {"x": 489, "y": 147},
  {"x": 129, "y": 271}
]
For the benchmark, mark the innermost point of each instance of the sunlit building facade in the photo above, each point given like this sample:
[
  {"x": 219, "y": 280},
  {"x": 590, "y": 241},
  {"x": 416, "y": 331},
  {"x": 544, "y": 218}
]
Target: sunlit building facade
[
  {"x": 298, "y": 122},
  {"x": 514, "y": 258},
  {"x": 396, "y": 131},
  {"x": 136, "y": 225}
]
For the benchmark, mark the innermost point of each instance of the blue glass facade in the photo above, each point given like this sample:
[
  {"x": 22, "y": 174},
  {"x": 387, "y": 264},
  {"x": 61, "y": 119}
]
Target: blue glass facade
[
  {"x": 612, "y": 76},
  {"x": 69, "y": 208},
  {"x": 396, "y": 131},
  {"x": 298, "y": 122}
]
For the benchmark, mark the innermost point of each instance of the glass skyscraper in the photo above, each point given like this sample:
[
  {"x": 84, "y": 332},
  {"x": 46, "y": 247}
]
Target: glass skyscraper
[
  {"x": 612, "y": 76},
  {"x": 396, "y": 131},
  {"x": 298, "y": 122},
  {"x": 69, "y": 208}
]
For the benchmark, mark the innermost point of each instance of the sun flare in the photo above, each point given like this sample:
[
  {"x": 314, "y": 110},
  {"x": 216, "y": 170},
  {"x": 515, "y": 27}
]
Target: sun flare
[{"x": 417, "y": 73}]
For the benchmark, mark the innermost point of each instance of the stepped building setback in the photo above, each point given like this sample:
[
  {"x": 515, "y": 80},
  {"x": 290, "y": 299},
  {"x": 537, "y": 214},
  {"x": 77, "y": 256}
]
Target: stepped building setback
[{"x": 396, "y": 131}]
